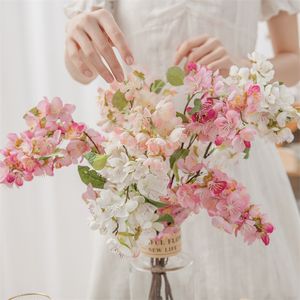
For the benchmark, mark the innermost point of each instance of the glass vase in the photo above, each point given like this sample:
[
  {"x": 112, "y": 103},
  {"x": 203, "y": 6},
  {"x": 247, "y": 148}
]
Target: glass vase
[{"x": 162, "y": 271}]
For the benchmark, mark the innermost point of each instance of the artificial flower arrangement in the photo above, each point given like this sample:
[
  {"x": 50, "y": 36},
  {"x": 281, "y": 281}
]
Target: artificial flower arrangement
[{"x": 150, "y": 166}]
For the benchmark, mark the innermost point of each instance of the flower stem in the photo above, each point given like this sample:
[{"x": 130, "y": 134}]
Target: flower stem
[
  {"x": 206, "y": 154},
  {"x": 157, "y": 283},
  {"x": 87, "y": 135}
]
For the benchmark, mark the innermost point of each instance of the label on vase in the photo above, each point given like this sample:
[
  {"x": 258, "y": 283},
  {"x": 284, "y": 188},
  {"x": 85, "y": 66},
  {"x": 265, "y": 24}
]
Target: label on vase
[{"x": 165, "y": 247}]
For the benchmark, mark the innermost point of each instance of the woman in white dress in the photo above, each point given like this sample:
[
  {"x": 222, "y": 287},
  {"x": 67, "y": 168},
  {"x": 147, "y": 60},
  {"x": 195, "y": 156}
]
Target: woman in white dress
[{"x": 157, "y": 34}]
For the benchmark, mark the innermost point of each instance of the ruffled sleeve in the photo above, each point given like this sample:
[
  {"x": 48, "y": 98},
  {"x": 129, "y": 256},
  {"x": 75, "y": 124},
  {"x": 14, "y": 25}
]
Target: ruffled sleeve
[
  {"x": 75, "y": 7},
  {"x": 270, "y": 8}
]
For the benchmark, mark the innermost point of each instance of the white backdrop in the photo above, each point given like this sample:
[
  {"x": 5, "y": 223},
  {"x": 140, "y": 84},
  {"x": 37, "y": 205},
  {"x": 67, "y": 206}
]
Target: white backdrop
[{"x": 45, "y": 243}]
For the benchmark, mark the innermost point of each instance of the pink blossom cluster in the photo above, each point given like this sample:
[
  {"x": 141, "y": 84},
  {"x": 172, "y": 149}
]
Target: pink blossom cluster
[
  {"x": 180, "y": 146},
  {"x": 158, "y": 164},
  {"x": 226, "y": 202},
  {"x": 39, "y": 149},
  {"x": 219, "y": 118}
]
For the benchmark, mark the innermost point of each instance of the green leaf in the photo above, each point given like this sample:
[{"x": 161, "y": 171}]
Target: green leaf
[
  {"x": 182, "y": 116},
  {"x": 247, "y": 153},
  {"x": 100, "y": 161},
  {"x": 157, "y": 86},
  {"x": 179, "y": 153},
  {"x": 89, "y": 176},
  {"x": 139, "y": 74},
  {"x": 97, "y": 161},
  {"x": 90, "y": 157},
  {"x": 155, "y": 203},
  {"x": 166, "y": 218},
  {"x": 197, "y": 106},
  {"x": 121, "y": 241},
  {"x": 175, "y": 170},
  {"x": 175, "y": 76},
  {"x": 119, "y": 101}
]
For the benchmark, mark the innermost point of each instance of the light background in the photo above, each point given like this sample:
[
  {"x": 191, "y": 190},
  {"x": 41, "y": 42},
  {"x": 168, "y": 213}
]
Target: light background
[{"x": 45, "y": 243}]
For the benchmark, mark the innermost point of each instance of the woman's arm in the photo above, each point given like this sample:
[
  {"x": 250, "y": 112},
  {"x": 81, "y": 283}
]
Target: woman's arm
[{"x": 285, "y": 40}]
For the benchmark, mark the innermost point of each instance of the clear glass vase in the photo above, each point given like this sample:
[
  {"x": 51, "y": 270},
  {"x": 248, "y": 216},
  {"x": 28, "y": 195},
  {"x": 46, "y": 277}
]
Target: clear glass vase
[{"x": 162, "y": 272}]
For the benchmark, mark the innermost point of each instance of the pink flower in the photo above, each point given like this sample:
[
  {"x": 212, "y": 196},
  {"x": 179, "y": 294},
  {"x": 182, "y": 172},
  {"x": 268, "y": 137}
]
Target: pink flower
[
  {"x": 58, "y": 110},
  {"x": 219, "y": 141},
  {"x": 187, "y": 197},
  {"x": 97, "y": 139},
  {"x": 38, "y": 150},
  {"x": 76, "y": 149},
  {"x": 178, "y": 213},
  {"x": 190, "y": 164},
  {"x": 253, "y": 89},
  {"x": 165, "y": 110},
  {"x": 199, "y": 80},
  {"x": 233, "y": 206},
  {"x": 217, "y": 186},
  {"x": 227, "y": 125},
  {"x": 242, "y": 139},
  {"x": 156, "y": 146},
  {"x": 192, "y": 66},
  {"x": 249, "y": 232},
  {"x": 4, "y": 171},
  {"x": 128, "y": 140},
  {"x": 254, "y": 98},
  {"x": 247, "y": 134},
  {"x": 221, "y": 223},
  {"x": 90, "y": 194},
  {"x": 29, "y": 164}
]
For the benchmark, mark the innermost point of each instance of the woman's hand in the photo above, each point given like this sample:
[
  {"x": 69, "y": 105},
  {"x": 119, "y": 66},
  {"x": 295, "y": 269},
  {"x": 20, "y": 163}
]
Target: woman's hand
[
  {"x": 90, "y": 37},
  {"x": 207, "y": 51}
]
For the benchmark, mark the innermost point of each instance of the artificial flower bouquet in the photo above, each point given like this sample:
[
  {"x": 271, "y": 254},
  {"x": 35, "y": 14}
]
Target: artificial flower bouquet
[{"x": 151, "y": 165}]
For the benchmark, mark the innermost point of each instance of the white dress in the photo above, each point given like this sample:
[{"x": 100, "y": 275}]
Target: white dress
[{"x": 225, "y": 267}]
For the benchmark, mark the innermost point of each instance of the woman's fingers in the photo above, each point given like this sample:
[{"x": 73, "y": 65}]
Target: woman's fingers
[
  {"x": 203, "y": 51},
  {"x": 206, "y": 55},
  {"x": 103, "y": 46},
  {"x": 111, "y": 28},
  {"x": 212, "y": 56},
  {"x": 73, "y": 52},
  {"x": 95, "y": 33},
  {"x": 91, "y": 54},
  {"x": 185, "y": 49},
  {"x": 222, "y": 64}
]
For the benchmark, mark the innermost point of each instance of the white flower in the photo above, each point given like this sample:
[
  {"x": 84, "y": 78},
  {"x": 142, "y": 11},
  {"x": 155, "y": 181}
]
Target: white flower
[
  {"x": 153, "y": 186},
  {"x": 116, "y": 247},
  {"x": 277, "y": 97},
  {"x": 238, "y": 76},
  {"x": 286, "y": 98},
  {"x": 282, "y": 119},
  {"x": 164, "y": 117},
  {"x": 113, "y": 204},
  {"x": 117, "y": 169},
  {"x": 271, "y": 93},
  {"x": 157, "y": 165},
  {"x": 146, "y": 99},
  {"x": 177, "y": 135},
  {"x": 145, "y": 218},
  {"x": 261, "y": 68},
  {"x": 285, "y": 135},
  {"x": 100, "y": 219}
]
